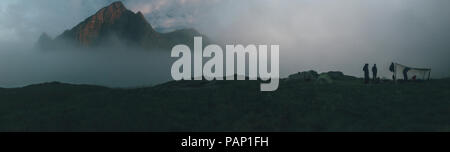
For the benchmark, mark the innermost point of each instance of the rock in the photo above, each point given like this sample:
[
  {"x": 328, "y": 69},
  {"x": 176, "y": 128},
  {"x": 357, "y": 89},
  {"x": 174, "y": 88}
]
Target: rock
[
  {"x": 338, "y": 75},
  {"x": 324, "y": 79},
  {"x": 307, "y": 76}
]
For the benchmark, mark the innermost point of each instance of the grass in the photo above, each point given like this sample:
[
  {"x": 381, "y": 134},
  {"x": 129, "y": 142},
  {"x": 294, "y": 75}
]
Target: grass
[{"x": 345, "y": 105}]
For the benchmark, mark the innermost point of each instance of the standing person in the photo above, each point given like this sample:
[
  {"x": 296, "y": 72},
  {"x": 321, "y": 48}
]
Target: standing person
[
  {"x": 366, "y": 73},
  {"x": 374, "y": 72},
  {"x": 392, "y": 69},
  {"x": 405, "y": 73}
]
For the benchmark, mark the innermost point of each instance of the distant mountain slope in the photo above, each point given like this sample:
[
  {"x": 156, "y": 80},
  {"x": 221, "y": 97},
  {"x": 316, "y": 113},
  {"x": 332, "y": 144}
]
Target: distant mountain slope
[{"x": 116, "y": 24}]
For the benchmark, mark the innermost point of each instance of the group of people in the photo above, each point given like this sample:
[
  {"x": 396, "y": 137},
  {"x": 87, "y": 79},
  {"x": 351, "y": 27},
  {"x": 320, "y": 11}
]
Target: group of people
[
  {"x": 366, "y": 73},
  {"x": 394, "y": 68}
]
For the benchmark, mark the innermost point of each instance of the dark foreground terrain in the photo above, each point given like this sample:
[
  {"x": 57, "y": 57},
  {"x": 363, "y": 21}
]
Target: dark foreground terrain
[{"x": 298, "y": 105}]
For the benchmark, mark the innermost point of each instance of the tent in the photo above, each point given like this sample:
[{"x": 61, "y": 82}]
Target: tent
[{"x": 409, "y": 73}]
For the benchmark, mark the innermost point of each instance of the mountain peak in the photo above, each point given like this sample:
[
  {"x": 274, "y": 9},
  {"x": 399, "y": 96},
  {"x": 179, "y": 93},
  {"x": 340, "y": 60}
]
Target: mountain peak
[
  {"x": 111, "y": 12},
  {"x": 112, "y": 19},
  {"x": 116, "y": 6},
  {"x": 117, "y": 3},
  {"x": 115, "y": 24}
]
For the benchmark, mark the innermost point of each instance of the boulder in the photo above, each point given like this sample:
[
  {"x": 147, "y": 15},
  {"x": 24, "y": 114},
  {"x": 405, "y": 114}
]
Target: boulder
[{"x": 306, "y": 76}]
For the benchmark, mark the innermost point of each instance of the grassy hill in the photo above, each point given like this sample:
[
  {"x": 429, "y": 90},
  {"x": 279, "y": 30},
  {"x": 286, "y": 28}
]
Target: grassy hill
[{"x": 344, "y": 105}]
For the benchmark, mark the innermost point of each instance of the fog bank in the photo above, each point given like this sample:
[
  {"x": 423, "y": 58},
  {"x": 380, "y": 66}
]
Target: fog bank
[{"x": 120, "y": 67}]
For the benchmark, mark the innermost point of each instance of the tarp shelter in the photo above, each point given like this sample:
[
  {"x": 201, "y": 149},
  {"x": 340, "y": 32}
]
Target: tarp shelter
[{"x": 409, "y": 73}]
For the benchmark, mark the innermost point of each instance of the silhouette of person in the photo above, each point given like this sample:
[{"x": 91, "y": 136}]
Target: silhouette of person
[
  {"x": 392, "y": 69},
  {"x": 405, "y": 73},
  {"x": 366, "y": 73},
  {"x": 374, "y": 72}
]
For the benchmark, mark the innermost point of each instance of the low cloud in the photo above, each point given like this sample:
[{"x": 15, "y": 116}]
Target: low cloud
[{"x": 112, "y": 67}]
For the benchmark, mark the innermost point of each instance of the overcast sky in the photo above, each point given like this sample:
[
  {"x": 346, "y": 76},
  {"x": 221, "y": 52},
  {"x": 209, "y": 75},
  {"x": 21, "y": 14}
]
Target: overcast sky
[{"x": 314, "y": 34}]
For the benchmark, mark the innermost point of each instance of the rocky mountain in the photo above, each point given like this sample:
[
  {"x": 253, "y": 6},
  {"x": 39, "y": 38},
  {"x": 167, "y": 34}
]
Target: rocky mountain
[{"x": 115, "y": 24}]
